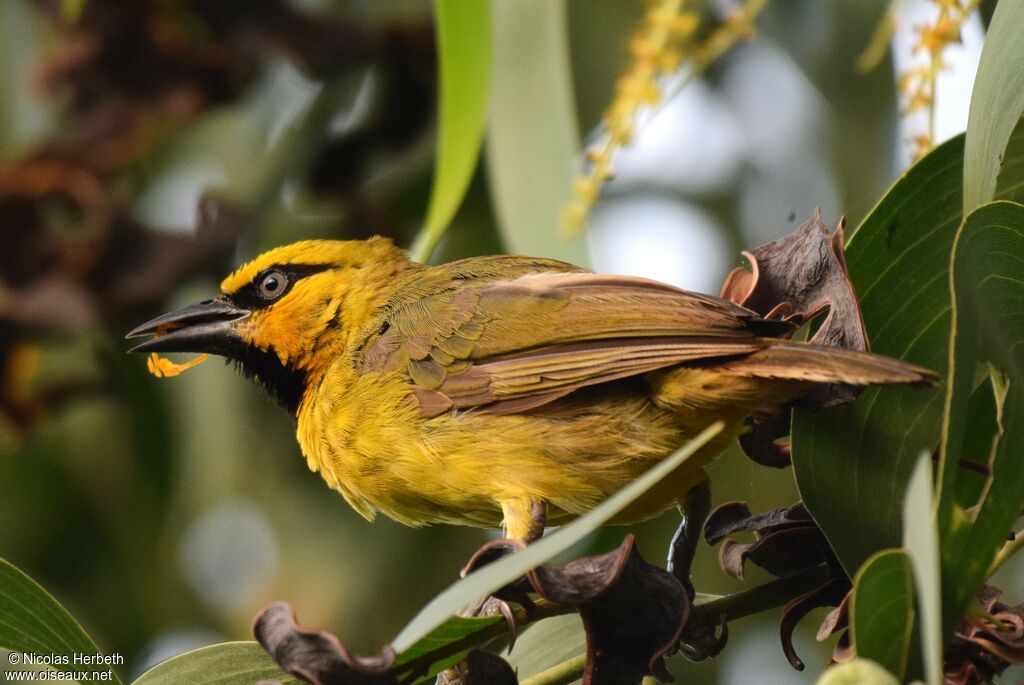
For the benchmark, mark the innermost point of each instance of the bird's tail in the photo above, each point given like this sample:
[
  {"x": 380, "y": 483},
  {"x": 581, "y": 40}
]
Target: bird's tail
[{"x": 800, "y": 361}]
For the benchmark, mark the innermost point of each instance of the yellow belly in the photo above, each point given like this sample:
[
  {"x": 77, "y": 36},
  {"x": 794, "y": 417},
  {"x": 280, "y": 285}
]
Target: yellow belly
[{"x": 369, "y": 442}]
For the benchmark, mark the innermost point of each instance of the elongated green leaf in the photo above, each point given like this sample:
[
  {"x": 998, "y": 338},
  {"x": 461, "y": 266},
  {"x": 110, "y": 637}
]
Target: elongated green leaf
[
  {"x": 227, "y": 663},
  {"x": 493, "y": 576},
  {"x": 988, "y": 317},
  {"x": 532, "y": 141},
  {"x": 33, "y": 622},
  {"x": 921, "y": 541},
  {"x": 882, "y": 610},
  {"x": 852, "y": 462},
  {"x": 996, "y": 103},
  {"x": 464, "y": 53}
]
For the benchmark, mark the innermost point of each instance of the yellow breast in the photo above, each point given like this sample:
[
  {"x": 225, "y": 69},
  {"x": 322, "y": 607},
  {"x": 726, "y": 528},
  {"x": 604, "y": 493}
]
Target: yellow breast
[{"x": 365, "y": 435}]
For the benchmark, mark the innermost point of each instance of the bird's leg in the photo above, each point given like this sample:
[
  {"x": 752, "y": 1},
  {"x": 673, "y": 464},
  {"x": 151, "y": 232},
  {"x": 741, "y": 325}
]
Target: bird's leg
[
  {"x": 694, "y": 508},
  {"x": 524, "y": 518},
  {"x": 524, "y": 521},
  {"x": 702, "y": 635}
]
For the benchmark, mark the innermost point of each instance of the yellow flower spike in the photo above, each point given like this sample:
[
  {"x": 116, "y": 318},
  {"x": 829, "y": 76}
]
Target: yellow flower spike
[
  {"x": 162, "y": 367},
  {"x": 670, "y": 61},
  {"x": 651, "y": 94},
  {"x": 917, "y": 85},
  {"x": 684, "y": 24},
  {"x": 659, "y": 45},
  {"x": 948, "y": 29},
  {"x": 641, "y": 48},
  {"x": 574, "y": 215},
  {"x": 585, "y": 189}
]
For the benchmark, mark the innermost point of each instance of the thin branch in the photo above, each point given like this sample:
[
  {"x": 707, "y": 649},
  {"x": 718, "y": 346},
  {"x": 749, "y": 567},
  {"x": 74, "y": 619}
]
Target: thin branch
[
  {"x": 563, "y": 673},
  {"x": 771, "y": 595}
]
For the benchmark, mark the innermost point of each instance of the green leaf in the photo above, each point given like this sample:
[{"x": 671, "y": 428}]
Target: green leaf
[
  {"x": 981, "y": 425},
  {"x": 988, "y": 330},
  {"x": 857, "y": 672},
  {"x": 33, "y": 622},
  {"x": 463, "y": 30},
  {"x": 921, "y": 542},
  {"x": 447, "y": 645},
  {"x": 548, "y": 644},
  {"x": 996, "y": 103},
  {"x": 493, "y": 576},
  {"x": 882, "y": 610},
  {"x": 532, "y": 140},
  {"x": 227, "y": 663},
  {"x": 852, "y": 462}
]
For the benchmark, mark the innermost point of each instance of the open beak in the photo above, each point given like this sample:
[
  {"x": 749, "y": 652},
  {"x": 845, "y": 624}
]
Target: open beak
[{"x": 207, "y": 326}]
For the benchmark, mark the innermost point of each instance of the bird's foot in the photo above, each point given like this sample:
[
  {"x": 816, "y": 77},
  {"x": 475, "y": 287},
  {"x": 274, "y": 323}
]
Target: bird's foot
[
  {"x": 495, "y": 606},
  {"x": 498, "y": 604},
  {"x": 489, "y": 606},
  {"x": 704, "y": 635}
]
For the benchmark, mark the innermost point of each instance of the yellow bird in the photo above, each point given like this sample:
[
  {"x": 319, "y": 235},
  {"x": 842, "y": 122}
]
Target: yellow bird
[{"x": 498, "y": 390}]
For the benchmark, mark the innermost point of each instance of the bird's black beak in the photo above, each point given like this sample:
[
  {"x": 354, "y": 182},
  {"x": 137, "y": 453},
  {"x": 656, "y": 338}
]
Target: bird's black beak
[{"x": 207, "y": 326}]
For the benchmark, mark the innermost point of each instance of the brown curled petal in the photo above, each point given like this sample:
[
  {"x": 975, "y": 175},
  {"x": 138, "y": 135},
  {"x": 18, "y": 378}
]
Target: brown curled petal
[
  {"x": 633, "y": 612},
  {"x": 727, "y": 518},
  {"x": 789, "y": 550},
  {"x": 987, "y": 641},
  {"x": 1011, "y": 627},
  {"x": 488, "y": 669},
  {"x": 515, "y": 591},
  {"x": 843, "y": 651},
  {"x": 1008, "y": 653},
  {"x": 739, "y": 284},
  {"x": 836, "y": 620},
  {"x": 317, "y": 656},
  {"x": 781, "y": 553},
  {"x": 731, "y": 556},
  {"x": 829, "y": 594},
  {"x": 733, "y": 517},
  {"x": 489, "y": 553},
  {"x": 798, "y": 277},
  {"x": 805, "y": 270},
  {"x": 761, "y": 443},
  {"x": 960, "y": 673}
]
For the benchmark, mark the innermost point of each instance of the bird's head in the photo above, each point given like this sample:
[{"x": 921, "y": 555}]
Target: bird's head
[{"x": 284, "y": 316}]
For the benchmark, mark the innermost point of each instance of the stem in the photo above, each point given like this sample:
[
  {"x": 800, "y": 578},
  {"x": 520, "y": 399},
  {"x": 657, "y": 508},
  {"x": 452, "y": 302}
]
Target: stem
[
  {"x": 771, "y": 595},
  {"x": 1008, "y": 550},
  {"x": 563, "y": 673}
]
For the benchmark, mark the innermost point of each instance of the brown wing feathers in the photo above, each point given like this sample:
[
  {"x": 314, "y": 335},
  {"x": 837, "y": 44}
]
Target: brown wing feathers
[{"x": 519, "y": 343}]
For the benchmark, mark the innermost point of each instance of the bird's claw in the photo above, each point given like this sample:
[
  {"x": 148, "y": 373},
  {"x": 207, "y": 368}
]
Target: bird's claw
[
  {"x": 703, "y": 636},
  {"x": 494, "y": 606}
]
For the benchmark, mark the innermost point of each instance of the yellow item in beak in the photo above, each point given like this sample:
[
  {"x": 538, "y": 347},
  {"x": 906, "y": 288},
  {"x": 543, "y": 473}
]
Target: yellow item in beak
[
  {"x": 165, "y": 368},
  {"x": 161, "y": 367}
]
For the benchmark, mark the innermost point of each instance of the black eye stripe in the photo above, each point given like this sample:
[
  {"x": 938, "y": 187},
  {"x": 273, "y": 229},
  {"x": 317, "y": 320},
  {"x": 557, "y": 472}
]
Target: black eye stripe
[{"x": 250, "y": 297}]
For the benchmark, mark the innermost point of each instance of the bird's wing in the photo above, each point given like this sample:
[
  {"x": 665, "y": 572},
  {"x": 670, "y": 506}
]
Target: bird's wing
[{"x": 514, "y": 344}]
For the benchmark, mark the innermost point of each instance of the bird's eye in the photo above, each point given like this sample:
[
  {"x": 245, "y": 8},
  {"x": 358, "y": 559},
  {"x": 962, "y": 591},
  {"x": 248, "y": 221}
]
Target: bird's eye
[{"x": 272, "y": 284}]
